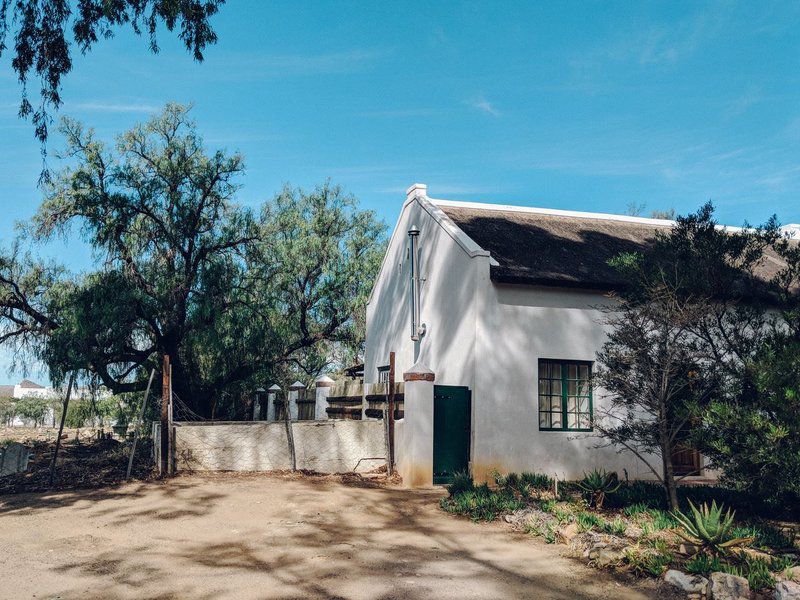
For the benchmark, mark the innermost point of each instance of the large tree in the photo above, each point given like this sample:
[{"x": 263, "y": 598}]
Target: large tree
[
  {"x": 41, "y": 38},
  {"x": 235, "y": 299}
]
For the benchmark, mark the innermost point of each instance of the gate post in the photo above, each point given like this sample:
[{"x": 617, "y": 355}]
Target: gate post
[
  {"x": 294, "y": 396},
  {"x": 323, "y": 385},
  {"x": 272, "y": 394},
  {"x": 415, "y": 463}
]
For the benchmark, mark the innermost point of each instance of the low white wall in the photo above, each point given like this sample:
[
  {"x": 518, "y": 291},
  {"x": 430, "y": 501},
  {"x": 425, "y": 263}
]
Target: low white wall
[{"x": 322, "y": 446}]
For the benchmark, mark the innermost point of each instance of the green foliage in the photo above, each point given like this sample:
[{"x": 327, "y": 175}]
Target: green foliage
[
  {"x": 637, "y": 493},
  {"x": 537, "y": 481},
  {"x": 757, "y": 437},
  {"x": 597, "y": 484},
  {"x": 616, "y": 527},
  {"x": 562, "y": 515},
  {"x": 236, "y": 299},
  {"x": 550, "y": 533},
  {"x": 481, "y": 503},
  {"x": 587, "y": 521},
  {"x": 513, "y": 484},
  {"x": 709, "y": 529},
  {"x": 649, "y": 562},
  {"x": 33, "y": 408},
  {"x": 703, "y": 564},
  {"x": 662, "y": 519},
  {"x": 462, "y": 482},
  {"x": 8, "y": 410},
  {"x": 635, "y": 509},
  {"x": 548, "y": 505},
  {"x": 764, "y": 536},
  {"x": 41, "y": 31}
]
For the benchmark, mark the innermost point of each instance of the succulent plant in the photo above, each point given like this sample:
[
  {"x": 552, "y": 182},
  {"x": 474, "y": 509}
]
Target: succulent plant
[
  {"x": 708, "y": 529},
  {"x": 597, "y": 484}
]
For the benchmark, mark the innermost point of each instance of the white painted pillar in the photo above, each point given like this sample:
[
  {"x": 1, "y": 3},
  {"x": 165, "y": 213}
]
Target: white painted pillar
[
  {"x": 272, "y": 394},
  {"x": 324, "y": 385},
  {"x": 416, "y": 458},
  {"x": 294, "y": 393},
  {"x": 260, "y": 392}
]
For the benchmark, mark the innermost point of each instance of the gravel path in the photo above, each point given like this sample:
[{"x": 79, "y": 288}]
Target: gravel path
[{"x": 260, "y": 536}]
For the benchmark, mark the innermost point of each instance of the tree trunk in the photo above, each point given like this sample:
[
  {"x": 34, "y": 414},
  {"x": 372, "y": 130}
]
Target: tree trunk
[
  {"x": 287, "y": 418},
  {"x": 668, "y": 472}
]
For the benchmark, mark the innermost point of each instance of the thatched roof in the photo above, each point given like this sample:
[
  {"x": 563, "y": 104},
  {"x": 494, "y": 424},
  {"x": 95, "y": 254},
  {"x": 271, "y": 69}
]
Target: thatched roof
[{"x": 537, "y": 248}]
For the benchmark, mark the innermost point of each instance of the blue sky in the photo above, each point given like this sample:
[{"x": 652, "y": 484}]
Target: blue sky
[{"x": 586, "y": 106}]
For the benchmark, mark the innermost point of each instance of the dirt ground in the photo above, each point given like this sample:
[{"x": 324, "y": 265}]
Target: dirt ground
[{"x": 261, "y": 536}]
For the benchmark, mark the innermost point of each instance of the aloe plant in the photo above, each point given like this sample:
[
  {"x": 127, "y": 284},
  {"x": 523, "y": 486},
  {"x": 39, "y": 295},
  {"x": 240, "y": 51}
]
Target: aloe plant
[
  {"x": 708, "y": 529},
  {"x": 597, "y": 484}
]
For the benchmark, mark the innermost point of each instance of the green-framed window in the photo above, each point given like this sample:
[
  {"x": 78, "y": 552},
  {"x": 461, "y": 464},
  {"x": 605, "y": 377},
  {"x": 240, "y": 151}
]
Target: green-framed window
[{"x": 565, "y": 395}]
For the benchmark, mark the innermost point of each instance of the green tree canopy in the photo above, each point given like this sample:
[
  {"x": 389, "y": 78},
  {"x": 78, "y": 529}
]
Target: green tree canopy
[
  {"x": 41, "y": 38},
  {"x": 235, "y": 299}
]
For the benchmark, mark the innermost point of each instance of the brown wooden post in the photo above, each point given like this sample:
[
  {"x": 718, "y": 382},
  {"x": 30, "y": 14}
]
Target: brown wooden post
[
  {"x": 391, "y": 413},
  {"x": 64, "y": 409},
  {"x": 165, "y": 398}
]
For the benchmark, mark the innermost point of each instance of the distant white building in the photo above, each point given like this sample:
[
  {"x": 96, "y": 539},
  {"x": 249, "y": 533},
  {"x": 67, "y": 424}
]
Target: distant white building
[{"x": 25, "y": 389}]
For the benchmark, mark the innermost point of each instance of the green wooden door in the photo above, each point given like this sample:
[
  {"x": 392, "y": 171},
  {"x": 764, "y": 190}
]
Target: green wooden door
[{"x": 451, "y": 431}]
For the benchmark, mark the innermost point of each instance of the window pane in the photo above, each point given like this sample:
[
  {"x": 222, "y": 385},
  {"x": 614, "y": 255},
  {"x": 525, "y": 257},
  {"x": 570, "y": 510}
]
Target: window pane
[
  {"x": 544, "y": 370},
  {"x": 572, "y": 421},
  {"x": 583, "y": 405},
  {"x": 572, "y": 388},
  {"x": 585, "y": 421},
  {"x": 585, "y": 387},
  {"x": 572, "y": 371},
  {"x": 544, "y": 403},
  {"x": 555, "y": 403},
  {"x": 556, "y": 419},
  {"x": 584, "y": 371},
  {"x": 555, "y": 370},
  {"x": 572, "y": 404},
  {"x": 544, "y": 387},
  {"x": 555, "y": 387},
  {"x": 544, "y": 419}
]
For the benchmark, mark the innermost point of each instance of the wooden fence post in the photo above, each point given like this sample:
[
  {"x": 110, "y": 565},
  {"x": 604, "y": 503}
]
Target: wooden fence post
[
  {"x": 391, "y": 413},
  {"x": 61, "y": 429},
  {"x": 166, "y": 387},
  {"x": 139, "y": 424}
]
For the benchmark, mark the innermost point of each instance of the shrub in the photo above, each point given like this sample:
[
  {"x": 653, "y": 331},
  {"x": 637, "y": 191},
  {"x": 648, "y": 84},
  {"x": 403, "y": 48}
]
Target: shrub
[
  {"x": 616, "y": 527},
  {"x": 462, "y": 482},
  {"x": 703, "y": 564},
  {"x": 550, "y": 533},
  {"x": 758, "y": 574},
  {"x": 662, "y": 519},
  {"x": 597, "y": 484},
  {"x": 647, "y": 562},
  {"x": 709, "y": 529},
  {"x": 587, "y": 521},
  {"x": 481, "y": 503},
  {"x": 635, "y": 509},
  {"x": 537, "y": 481},
  {"x": 547, "y": 505},
  {"x": 513, "y": 483},
  {"x": 764, "y": 536},
  {"x": 637, "y": 492},
  {"x": 562, "y": 514}
]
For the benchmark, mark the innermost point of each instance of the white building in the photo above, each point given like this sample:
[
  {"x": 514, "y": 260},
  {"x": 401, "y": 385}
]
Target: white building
[
  {"x": 509, "y": 314},
  {"x": 27, "y": 388}
]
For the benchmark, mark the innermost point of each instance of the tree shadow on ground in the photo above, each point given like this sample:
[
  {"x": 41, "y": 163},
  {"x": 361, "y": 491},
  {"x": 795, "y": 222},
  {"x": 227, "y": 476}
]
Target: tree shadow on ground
[{"x": 328, "y": 540}]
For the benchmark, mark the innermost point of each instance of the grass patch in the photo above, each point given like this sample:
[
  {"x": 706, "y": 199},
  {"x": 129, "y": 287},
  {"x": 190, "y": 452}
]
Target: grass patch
[
  {"x": 616, "y": 527},
  {"x": 588, "y": 521}
]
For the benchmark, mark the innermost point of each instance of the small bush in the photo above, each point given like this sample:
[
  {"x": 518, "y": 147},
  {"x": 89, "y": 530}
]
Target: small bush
[
  {"x": 637, "y": 492},
  {"x": 537, "y": 481},
  {"x": 588, "y": 521},
  {"x": 616, "y": 527},
  {"x": 547, "y": 505},
  {"x": 462, "y": 482},
  {"x": 647, "y": 562},
  {"x": 635, "y": 509},
  {"x": 703, "y": 564},
  {"x": 765, "y": 536},
  {"x": 758, "y": 574},
  {"x": 481, "y": 503},
  {"x": 562, "y": 514},
  {"x": 550, "y": 533},
  {"x": 662, "y": 519}
]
